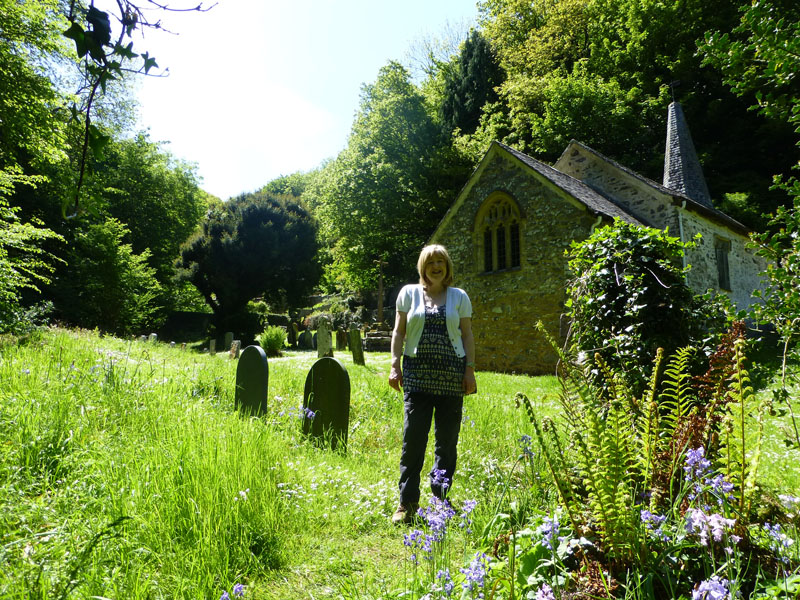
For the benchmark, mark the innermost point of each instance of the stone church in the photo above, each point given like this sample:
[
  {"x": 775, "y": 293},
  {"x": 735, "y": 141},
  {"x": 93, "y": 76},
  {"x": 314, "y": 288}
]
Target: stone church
[{"x": 509, "y": 228}]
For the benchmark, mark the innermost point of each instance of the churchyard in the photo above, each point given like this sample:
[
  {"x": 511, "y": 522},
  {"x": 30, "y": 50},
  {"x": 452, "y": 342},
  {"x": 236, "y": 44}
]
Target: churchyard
[{"x": 136, "y": 469}]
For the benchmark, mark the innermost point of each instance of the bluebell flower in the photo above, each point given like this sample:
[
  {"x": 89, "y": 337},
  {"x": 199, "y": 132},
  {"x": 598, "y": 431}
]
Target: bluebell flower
[
  {"x": 789, "y": 502},
  {"x": 446, "y": 585},
  {"x": 238, "y": 590},
  {"x": 696, "y": 464},
  {"x": 549, "y": 529},
  {"x": 711, "y": 589},
  {"x": 778, "y": 541},
  {"x": 525, "y": 442},
  {"x": 475, "y": 573},
  {"x": 439, "y": 478},
  {"x": 225, "y": 596},
  {"x": 545, "y": 593}
]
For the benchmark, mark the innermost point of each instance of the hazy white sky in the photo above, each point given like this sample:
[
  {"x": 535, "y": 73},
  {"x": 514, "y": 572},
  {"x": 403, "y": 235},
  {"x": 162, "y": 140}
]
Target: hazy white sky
[{"x": 262, "y": 88}]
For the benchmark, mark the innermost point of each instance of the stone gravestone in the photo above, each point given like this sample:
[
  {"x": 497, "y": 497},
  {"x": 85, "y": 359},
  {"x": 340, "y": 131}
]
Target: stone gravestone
[
  {"x": 326, "y": 403},
  {"x": 324, "y": 343},
  {"x": 355, "y": 346},
  {"x": 252, "y": 377},
  {"x": 341, "y": 340},
  {"x": 235, "y": 346},
  {"x": 227, "y": 341},
  {"x": 152, "y": 338},
  {"x": 306, "y": 340},
  {"x": 291, "y": 335},
  {"x": 212, "y": 346}
]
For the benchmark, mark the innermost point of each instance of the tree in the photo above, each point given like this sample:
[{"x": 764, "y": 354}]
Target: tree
[
  {"x": 604, "y": 71},
  {"x": 471, "y": 85},
  {"x": 105, "y": 284},
  {"x": 384, "y": 194},
  {"x": 255, "y": 245}
]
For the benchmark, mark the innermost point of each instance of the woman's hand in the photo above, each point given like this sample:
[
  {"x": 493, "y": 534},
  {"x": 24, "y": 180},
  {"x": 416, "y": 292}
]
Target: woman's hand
[
  {"x": 396, "y": 378},
  {"x": 469, "y": 384}
]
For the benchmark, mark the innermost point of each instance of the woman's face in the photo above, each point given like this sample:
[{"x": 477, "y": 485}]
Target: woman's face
[{"x": 436, "y": 269}]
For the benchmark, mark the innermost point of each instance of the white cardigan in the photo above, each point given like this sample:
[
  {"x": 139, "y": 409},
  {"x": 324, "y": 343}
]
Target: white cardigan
[{"x": 411, "y": 301}]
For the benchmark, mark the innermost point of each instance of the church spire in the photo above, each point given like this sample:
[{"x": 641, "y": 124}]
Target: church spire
[{"x": 682, "y": 170}]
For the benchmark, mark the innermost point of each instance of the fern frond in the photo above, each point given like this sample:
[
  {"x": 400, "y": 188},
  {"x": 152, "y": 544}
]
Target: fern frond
[{"x": 676, "y": 396}]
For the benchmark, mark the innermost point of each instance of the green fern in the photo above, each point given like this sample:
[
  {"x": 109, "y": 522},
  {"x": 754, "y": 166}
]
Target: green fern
[{"x": 676, "y": 396}]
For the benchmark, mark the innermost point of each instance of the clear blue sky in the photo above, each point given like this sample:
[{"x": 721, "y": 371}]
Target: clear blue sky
[{"x": 262, "y": 88}]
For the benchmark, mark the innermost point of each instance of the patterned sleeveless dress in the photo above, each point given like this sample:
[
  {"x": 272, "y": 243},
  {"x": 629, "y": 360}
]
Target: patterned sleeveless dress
[{"x": 436, "y": 369}]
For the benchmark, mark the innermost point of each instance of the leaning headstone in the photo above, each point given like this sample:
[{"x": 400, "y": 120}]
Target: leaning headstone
[
  {"x": 252, "y": 378},
  {"x": 341, "y": 339},
  {"x": 212, "y": 346},
  {"x": 324, "y": 342},
  {"x": 326, "y": 403},
  {"x": 228, "y": 340},
  {"x": 235, "y": 346},
  {"x": 355, "y": 346}
]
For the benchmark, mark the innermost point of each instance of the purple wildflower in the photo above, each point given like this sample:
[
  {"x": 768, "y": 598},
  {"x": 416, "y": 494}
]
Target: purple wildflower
[
  {"x": 711, "y": 589},
  {"x": 238, "y": 590},
  {"x": 475, "y": 572},
  {"x": 437, "y": 516},
  {"x": 525, "y": 442},
  {"x": 654, "y": 523},
  {"x": 466, "y": 511},
  {"x": 549, "y": 529},
  {"x": 439, "y": 479},
  {"x": 545, "y": 593},
  {"x": 447, "y": 585},
  {"x": 696, "y": 464},
  {"x": 702, "y": 524},
  {"x": 225, "y": 596},
  {"x": 720, "y": 488},
  {"x": 778, "y": 541}
]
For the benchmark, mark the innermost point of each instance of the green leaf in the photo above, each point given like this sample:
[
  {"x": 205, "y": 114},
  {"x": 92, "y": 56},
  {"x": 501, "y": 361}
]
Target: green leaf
[{"x": 78, "y": 35}]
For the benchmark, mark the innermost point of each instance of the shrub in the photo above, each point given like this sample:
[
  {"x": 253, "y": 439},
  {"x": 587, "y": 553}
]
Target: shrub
[
  {"x": 629, "y": 297},
  {"x": 272, "y": 340}
]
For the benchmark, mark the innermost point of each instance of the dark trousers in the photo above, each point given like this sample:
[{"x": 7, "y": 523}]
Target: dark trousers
[{"x": 420, "y": 409}]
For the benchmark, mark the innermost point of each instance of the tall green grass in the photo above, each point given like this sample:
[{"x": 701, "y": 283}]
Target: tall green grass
[{"x": 125, "y": 473}]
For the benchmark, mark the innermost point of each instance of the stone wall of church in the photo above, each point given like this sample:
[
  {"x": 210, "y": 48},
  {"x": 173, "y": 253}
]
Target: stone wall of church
[
  {"x": 644, "y": 201},
  {"x": 507, "y": 304},
  {"x": 743, "y": 265}
]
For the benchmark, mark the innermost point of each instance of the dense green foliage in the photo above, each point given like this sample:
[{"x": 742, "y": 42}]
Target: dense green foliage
[
  {"x": 381, "y": 198},
  {"x": 272, "y": 340},
  {"x": 253, "y": 245},
  {"x": 628, "y": 298}
]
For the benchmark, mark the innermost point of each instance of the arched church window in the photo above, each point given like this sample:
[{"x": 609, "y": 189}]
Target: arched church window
[{"x": 498, "y": 233}]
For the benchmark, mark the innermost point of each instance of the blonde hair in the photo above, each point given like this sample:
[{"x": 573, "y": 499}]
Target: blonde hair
[{"x": 427, "y": 253}]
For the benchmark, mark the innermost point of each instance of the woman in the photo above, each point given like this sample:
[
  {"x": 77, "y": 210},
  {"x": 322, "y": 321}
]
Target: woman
[{"x": 433, "y": 332}]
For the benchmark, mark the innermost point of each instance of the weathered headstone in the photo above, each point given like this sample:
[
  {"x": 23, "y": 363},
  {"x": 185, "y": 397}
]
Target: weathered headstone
[
  {"x": 172, "y": 344},
  {"x": 142, "y": 338},
  {"x": 306, "y": 340},
  {"x": 326, "y": 403},
  {"x": 152, "y": 338},
  {"x": 227, "y": 340},
  {"x": 341, "y": 339},
  {"x": 252, "y": 379},
  {"x": 291, "y": 335},
  {"x": 324, "y": 343},
  {"x": 355, "y": 346},
  {"x": 235, "y": 346},
  {"x": 212, "y": 346}
]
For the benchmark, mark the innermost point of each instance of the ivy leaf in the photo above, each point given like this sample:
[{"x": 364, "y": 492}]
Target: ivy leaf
[
  {"x": 78, "y": 35},
  {"x": 97, "y": 141},
  {"x": 101, "y": 26},
  {"x": 149, "y": 62}
]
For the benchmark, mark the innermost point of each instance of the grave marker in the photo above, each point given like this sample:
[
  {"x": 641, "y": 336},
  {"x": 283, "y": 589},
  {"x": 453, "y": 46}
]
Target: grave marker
[
  {"x": 355, "y": 346},
  {"x": 305, "y": 340},
  {"x": 235, "y": 346},
  {"x": 212, "y": 346},
  {"x": 227, "y": 340},
  {"x": 252, "y": 378},
  {"x": 324, "y": 344},
  {"x": 341, "y": 339},
  {"x": 327, "y": 397}
]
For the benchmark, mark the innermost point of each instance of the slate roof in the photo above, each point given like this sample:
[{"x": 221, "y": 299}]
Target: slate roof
[
  {"x": 592, "y": 199},
  {"x": 682, "y": 170},
  {"x": 677, "y": 197}
]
